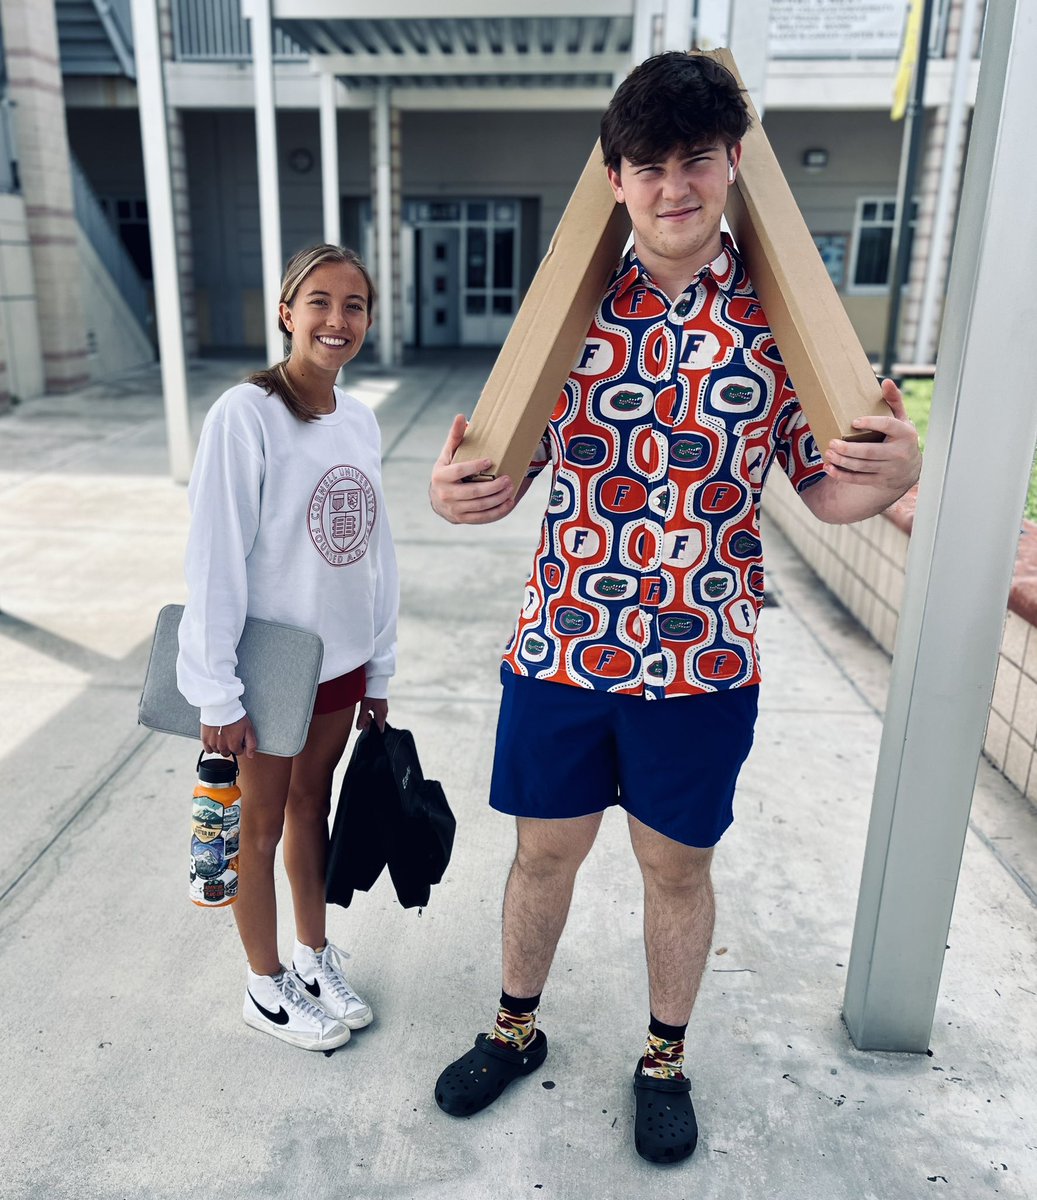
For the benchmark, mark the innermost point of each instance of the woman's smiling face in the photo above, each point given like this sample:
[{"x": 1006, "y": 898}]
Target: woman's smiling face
[{"x": 328, "y": 318}]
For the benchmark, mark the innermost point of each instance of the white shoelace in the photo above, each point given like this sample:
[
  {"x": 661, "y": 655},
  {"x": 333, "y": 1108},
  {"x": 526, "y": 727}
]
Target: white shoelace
[
  {"x": 296, "y": 998},
  {"x": 331, "y": 959}
]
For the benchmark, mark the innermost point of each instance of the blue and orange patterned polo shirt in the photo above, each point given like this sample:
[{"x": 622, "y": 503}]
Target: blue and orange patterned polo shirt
[{"x": 648, "y": 578}]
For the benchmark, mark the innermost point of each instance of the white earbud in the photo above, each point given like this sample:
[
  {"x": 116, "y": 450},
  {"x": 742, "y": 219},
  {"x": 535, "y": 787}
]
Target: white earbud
[{"x": 730, "y": 172}]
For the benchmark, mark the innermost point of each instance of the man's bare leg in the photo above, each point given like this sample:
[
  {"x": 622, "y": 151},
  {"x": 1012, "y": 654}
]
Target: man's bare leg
[
  {"x": 536, "y": 904},
  {"x": 678, "y": 923},
  {"x": 538, "y": 894},
  {"x": 678, "y": 919}
]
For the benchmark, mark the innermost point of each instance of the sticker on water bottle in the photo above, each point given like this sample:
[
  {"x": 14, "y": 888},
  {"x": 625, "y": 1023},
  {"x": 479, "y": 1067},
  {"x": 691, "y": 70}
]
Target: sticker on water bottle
[
  {"x": 207, "y": 857},
  {"x": 206, "y": 819},
  {"x": 231, "y": 829}
]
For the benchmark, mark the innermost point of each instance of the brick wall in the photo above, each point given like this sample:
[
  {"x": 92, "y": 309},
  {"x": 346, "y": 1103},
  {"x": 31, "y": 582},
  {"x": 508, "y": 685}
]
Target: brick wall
[
  {"x": 35, "y": 87},
  {"x": 863, "y": 566}
]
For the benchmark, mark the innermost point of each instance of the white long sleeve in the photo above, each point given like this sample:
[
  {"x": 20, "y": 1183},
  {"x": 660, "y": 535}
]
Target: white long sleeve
[
  {"x": 382, "y": 662},
  {"x": 288, "y": 523}
]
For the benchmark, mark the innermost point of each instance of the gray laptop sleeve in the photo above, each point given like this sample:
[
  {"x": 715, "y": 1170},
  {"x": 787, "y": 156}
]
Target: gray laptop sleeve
[{"x": 279, "y": 666}]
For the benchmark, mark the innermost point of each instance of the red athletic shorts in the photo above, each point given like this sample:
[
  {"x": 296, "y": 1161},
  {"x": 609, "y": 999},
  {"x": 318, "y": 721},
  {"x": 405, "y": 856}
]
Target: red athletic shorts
[{"x": 342, "y": 692}]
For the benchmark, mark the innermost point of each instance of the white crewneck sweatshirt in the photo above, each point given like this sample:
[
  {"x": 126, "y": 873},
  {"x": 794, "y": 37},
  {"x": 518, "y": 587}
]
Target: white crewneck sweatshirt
[{"x": 288, "y": 523}]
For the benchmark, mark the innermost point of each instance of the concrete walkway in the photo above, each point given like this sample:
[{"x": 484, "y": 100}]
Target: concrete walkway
[{"x": 127, "y": 1070}]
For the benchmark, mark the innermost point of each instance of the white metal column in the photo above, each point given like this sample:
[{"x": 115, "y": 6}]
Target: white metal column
[
  {"x": 946, "y": 192},
  {"x": 676, "y": 24},
  {"x": 982, "y": 431},
  {"x": 749, "y": 33},
  {"x": 642, "y": 43},
  {"x": 258, "y": 14},
  {"x": 158, "y": 185},
  {"x": 329, "y": 157},
  {"x": 712, "y": 22},
  {"x": 383, "y": 224}
]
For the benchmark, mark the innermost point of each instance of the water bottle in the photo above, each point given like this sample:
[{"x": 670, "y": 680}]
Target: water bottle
[{"x": 215, "y": 825}]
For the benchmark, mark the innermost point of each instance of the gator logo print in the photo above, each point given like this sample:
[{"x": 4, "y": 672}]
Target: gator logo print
[
  {"x": 681, "y": 627},
  {"x": 571, "y": 620},
  {"x": 737, "y": 393},
  {"x": 610, "y": 586},
  {"x": 625, "y": 402},
  {"x": 586, "y": 451},
  {"x": 688, "y": 452},
  {"x": 535, "y": 645},
  {"x": 682, "y": 307},
  {"x": 656, "y": 668},
  {"x": 716, "y": 586},
  {"x": 744, "y": 545}
]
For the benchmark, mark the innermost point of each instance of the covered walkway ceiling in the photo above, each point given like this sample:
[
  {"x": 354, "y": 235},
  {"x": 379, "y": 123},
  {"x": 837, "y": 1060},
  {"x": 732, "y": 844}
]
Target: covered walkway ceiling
[{"x": 535, "y": 45}]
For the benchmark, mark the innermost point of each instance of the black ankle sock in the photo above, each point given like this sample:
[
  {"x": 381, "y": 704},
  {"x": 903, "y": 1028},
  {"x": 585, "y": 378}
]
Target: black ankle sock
[
  {"x": 669, "y": 1033},
  {"x": 515, "y": 1004}
]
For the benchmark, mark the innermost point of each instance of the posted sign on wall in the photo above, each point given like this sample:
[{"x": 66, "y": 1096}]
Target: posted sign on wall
[{"x": 836, "y": 28}]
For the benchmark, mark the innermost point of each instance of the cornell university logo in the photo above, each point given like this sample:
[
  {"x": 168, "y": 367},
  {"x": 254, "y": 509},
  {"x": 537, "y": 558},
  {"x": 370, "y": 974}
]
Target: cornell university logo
[{"x": 341, "y": 515}]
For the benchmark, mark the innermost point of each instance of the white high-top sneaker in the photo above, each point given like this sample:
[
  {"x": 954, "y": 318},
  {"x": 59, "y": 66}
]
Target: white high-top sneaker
[
  {"x": 279, "y": 1005},
  {"x": 322, "y": 977}
]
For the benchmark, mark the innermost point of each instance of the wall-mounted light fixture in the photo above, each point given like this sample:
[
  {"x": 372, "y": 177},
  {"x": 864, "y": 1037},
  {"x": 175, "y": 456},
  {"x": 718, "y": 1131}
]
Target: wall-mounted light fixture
[{"x": 815, "y": 160}]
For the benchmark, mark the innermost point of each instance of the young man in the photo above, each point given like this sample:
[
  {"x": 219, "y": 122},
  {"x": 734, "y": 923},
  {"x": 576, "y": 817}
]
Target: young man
[{"x": 648, "y": 581}]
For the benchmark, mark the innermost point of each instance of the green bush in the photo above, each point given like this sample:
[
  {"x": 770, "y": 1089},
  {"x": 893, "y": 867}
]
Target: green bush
[{"x": 918, "y": 395}]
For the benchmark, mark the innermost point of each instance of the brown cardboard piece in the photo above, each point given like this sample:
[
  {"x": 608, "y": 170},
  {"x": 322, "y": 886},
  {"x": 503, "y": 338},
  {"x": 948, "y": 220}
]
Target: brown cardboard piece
[
  {"x": 826, "y": 363},
  {"x": 828, "y": 368},
  {"x": 550, "y": 328}
]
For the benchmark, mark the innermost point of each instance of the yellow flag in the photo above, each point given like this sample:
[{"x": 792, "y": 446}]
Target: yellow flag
[{"x": 908, "y": 58}]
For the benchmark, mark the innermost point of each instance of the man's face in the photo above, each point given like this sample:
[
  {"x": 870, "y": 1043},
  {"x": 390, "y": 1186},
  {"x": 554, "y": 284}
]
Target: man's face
[{"x": 675, "y": 204}]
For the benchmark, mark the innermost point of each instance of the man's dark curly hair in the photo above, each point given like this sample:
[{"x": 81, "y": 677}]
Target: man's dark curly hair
[{"x": 672, "y": 101}]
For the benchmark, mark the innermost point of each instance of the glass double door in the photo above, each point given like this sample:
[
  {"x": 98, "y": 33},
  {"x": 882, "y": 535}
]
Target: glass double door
[
  {"x": 438, "y": 291},
  {"x": 463, "y": 270}
]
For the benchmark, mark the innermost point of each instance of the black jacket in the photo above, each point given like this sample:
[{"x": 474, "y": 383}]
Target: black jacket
[{"x": 388, "y": 814}]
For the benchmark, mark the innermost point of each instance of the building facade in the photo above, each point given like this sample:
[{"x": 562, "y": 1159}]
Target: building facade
[{"x": 463, "y": 129}]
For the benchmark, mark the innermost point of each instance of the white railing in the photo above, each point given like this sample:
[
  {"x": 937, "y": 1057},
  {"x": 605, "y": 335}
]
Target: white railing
[
  {"x": 108, "y": 245},
  {"x": 215, "y": 31}
]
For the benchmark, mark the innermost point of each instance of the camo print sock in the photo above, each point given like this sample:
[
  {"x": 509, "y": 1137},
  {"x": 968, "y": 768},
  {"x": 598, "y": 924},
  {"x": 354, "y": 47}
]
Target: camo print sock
[
  {"x": 516, "y": 1021},
  {"x": 664, "y": 1050}
]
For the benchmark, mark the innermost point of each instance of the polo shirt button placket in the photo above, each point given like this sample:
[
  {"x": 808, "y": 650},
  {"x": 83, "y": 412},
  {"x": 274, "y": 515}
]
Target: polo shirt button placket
[{"x": 651, "y": 574}]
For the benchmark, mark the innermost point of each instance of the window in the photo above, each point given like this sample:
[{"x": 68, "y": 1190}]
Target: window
[{"x": 873, "y": 242}]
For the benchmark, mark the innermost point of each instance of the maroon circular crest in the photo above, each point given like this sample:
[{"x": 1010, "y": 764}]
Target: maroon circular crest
[{"x": 341, "y": 515}]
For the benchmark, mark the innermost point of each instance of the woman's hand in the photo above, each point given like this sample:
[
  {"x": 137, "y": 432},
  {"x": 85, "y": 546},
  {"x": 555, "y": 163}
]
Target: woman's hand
[
  {"x": 372, "y": 710},
  {"x": 239, "y": 738}
]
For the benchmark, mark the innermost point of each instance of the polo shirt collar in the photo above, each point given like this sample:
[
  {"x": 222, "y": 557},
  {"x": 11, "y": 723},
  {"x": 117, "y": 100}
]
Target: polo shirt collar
[{"x": 724, "y": 270}]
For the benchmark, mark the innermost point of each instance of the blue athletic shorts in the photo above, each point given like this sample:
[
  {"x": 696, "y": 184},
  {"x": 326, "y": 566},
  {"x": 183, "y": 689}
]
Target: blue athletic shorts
[{"x": 565, "y": 751}]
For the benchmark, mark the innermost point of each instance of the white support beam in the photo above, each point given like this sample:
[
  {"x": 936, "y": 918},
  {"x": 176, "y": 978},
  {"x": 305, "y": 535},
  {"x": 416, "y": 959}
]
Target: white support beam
[
  {"x": 749, "y": 30},
  {"x": 467, "y": 65},
  {"x": 207, "y": 85},
  {"x": 329, "y": 159},
  {"x": 646, "y": 14},
  {"x": 676, "y": 25},
  {"x": 562, "y": 99},
  {"x": 383, "y": 224},
  {"x": 960, "y": 564},
  {"x": 158, "y": 183},
  {"x": 947, "y": 188},
  {"x": 713, "y": 24},
  {"x": 419, "y": 10},
  {"x": 258, "y": 13}
]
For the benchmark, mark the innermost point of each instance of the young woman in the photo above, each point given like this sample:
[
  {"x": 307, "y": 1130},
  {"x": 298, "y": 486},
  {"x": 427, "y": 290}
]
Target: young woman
[{"x": 288, "y": 523}]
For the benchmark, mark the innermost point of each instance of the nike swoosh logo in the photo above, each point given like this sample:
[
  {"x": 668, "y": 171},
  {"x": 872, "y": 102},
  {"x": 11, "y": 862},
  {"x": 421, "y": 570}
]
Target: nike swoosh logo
[
  {"x": 279, "y": 1018},
  {"x": 313, "y": 988}
]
